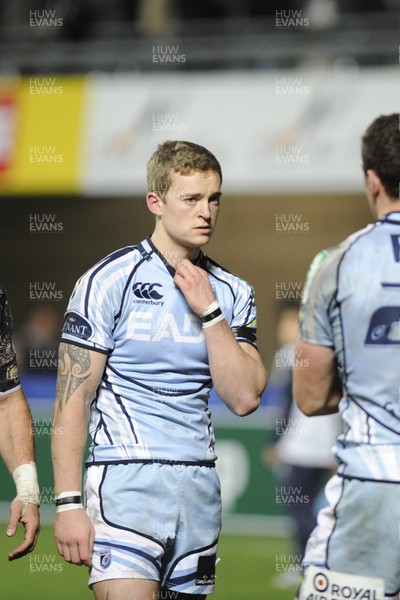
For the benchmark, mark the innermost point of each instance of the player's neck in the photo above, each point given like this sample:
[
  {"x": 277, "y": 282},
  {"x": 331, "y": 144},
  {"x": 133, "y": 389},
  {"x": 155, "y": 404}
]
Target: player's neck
[
  {"x": 172, "y": 251},
  {"x": 386, "y": 206}
]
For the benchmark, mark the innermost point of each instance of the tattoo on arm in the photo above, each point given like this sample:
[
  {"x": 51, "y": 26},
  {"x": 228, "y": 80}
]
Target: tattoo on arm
[{"x": 74, "y": 367}]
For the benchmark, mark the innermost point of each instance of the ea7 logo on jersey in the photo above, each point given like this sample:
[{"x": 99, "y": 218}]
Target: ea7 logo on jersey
[
  {"x": 147, "y": 291},
  {"x": 141, "y": 327}
]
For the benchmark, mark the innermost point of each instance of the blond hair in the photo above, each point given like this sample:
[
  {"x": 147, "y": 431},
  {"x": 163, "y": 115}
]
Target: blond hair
[{"x": 179, "y": 157}]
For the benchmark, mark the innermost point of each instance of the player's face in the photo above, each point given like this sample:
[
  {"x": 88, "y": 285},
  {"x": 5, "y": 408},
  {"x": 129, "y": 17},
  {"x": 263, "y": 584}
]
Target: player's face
[{"x": 190, "y": 209}]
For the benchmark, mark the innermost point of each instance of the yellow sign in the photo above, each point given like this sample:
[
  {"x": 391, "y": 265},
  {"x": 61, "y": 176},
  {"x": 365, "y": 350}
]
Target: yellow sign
[{"x": 48, "y": 136}]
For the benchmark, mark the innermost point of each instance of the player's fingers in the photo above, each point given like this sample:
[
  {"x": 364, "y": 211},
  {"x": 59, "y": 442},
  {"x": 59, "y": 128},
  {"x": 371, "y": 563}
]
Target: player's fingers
[
  {"x": 186, "y": 278},
  {"x": 65, "y": 552},
  {"x": 24, "y": 548},
  {"x": 184, "y": 263},
  {"x": 186, "y": 269},
  {"x": 27, "y": 545},
  {"x": 85, "y": 555},
  {"x": 181, "y": 283},
  {"x": 86, "y": 547},
  {"x": 75, "y": 557},
  {"x": 179, "y": 275},
  {"x": 21, "y": 550},
  {"x": 34, "y": 529},
  {"x": 31, "y": 523},
  {"x": 77, "y": 554},
  {"x": 15, "y": 515},
  {"x": 88, "y": 563},
  {"x": 59, "y": 548}
]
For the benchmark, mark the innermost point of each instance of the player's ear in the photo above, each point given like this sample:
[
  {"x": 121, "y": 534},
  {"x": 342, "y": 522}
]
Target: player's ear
[
  {"x": 154, "y": 203},
  {"x": 373, "y": 183}
]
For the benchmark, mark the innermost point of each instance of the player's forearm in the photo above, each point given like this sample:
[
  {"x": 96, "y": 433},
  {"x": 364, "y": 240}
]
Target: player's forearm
[
  {"x": 79, "y": 374},
  {"x": 69, "y": 434},
  {"x": 316, "y": 396},
  {"x": 317, "y": 387},
  {"x": 314, "y": 406},
  {"x": 238, "y": 375},
  {"x": 16, "y": 431}
]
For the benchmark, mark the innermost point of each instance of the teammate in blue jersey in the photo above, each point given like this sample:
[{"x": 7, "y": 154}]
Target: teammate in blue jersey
[
  {"x": 17, "y": 440},
  {"x": 350, "y": 337},
  {"x": 148, "y": 331}
]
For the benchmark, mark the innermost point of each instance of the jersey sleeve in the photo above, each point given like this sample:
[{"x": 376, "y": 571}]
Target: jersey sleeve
[
  {"x": 9, "y": 377},
  {"x": 319, "y": 290},
  {"x": 90, "y": 316},
  {"x": 244, "y": 321}
]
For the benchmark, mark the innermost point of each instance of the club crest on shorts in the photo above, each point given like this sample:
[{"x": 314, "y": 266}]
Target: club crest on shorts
[{"x": 105, "y": 558}]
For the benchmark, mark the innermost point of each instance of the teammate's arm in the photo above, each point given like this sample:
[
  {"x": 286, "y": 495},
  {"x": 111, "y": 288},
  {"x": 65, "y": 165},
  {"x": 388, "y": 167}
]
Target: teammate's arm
[
  {"x": 317, "y": 388},
  {"x": 236, "y": 369},
  {"x": 17, "y": 449},
  {"x": 79, "y": 374}
]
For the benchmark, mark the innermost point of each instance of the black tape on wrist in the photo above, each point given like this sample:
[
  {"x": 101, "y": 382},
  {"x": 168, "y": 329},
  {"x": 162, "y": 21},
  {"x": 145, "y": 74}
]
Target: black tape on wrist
[
  {"x": 213, "y": 315},
  {"x": 68, "y": 500}
]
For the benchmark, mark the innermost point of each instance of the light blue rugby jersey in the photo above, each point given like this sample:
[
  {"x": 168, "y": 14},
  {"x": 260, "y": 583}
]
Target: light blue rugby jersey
[
  {"x": 352, "y": 302},
  {"x": 152, "y": 403}
]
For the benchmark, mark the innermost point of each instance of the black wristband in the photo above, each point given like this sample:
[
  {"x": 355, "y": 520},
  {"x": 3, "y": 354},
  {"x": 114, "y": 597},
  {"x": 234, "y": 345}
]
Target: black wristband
[
  {"x": 213, "y": 315},
  {"x": 68, "y": 500}
]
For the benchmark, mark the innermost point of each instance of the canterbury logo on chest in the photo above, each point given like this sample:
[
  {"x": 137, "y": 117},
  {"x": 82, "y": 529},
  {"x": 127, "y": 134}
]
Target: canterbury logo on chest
[{"x": 147, "y": 291}]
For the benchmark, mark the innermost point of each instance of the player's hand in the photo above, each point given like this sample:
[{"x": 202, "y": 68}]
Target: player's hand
[
  {"x": 74, "y": 535},
  {"x": 195, "y": 286},
  {"x": 31, "y": 522}
]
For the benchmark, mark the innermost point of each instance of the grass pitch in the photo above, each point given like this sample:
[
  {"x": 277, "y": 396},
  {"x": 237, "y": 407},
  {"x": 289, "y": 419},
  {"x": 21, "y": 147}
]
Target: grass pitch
[{"x": 244, "y": 573}]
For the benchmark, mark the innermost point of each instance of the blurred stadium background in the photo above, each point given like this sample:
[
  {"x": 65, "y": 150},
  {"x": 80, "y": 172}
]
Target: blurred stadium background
[{"x": 281, "y": 92}]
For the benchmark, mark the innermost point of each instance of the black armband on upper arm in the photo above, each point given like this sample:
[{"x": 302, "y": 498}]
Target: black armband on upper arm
[{"x": 245, "y": 334}]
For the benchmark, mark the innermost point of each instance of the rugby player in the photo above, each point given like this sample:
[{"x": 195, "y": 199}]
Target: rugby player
[
  {"x": 350, "y": 337},
  {"x": 148, "y": 331},
  {"x": 17, "y": 440}
]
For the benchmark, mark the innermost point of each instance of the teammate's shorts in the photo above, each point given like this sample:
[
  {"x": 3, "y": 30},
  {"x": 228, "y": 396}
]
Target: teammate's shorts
[
  {"x": 359, "y": 531},
  {"x": 155, "y": 521}
]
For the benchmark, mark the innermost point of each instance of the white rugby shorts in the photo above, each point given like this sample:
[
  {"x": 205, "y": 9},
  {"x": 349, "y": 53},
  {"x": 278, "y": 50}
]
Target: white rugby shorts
[{"x": 155, "y": 521}]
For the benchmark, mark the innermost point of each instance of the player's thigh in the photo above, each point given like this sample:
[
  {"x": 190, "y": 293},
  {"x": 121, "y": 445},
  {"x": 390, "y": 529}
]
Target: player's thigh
[
  {"x": 365, "y": 537},
  {"x": 189, "y": 565},
  {"x": 357, "y": 532},
  {"x": 126, "y": 589}
]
